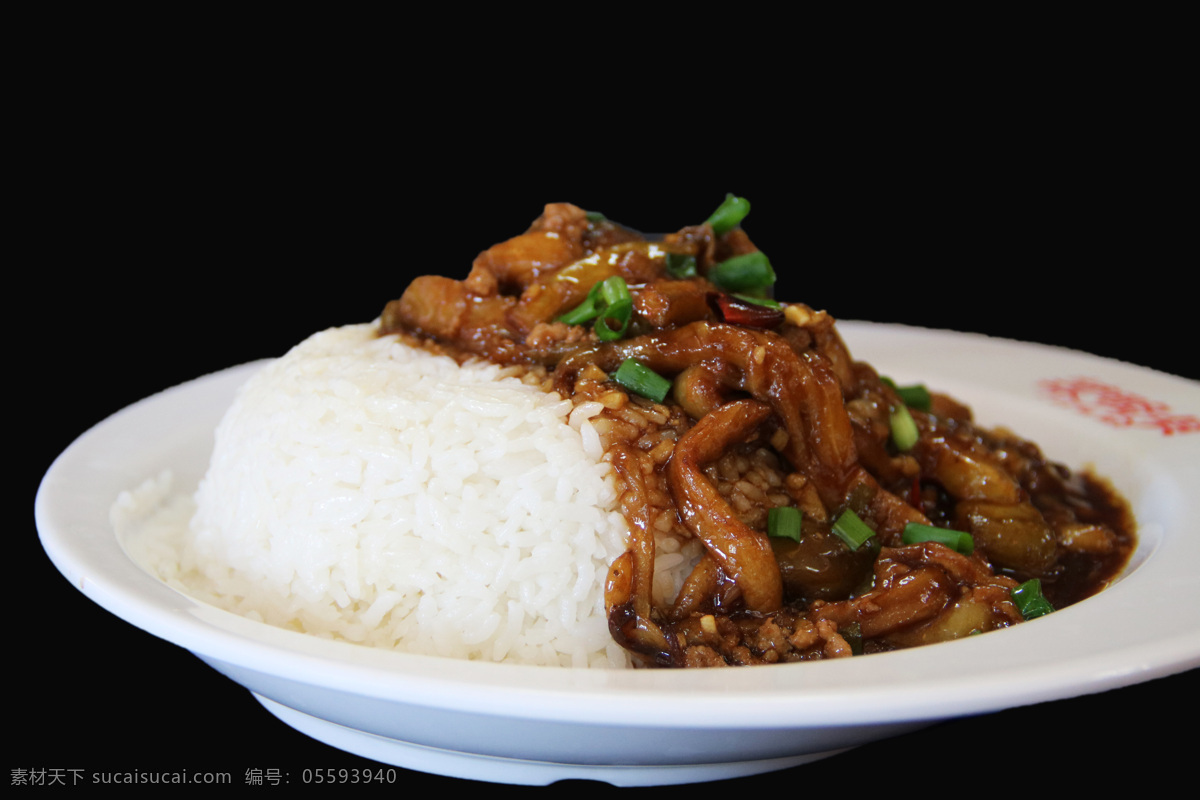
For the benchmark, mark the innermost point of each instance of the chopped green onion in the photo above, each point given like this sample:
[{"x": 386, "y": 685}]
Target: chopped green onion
[
  {"x": 640, "y": 379},
  {"x": 852, "y": 530},
  {"x": 619, "y": 313},
  {"x": 1029, "y": 599},
  {"x": 904, "y": 429},
  {"x": 614, "y": 290},
  {"x": 758, "y": 301},
  {"x": 915, "y": 533},
  {"x": 744, "y": 273},
  {"x": 914, "y": 396},
  {"x": 619, "y": 307},
  {"x": 729, "y": 214},
  {"x": 681, "y": 265},
  {"x": 783, "y": 522},
  {"x": 608, "y": 299},
  {"x": 584, "y": 312},
  {"x": 595, "y": 216}
]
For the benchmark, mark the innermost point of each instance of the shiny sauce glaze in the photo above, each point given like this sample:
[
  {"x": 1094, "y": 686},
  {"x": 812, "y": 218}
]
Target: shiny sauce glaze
[{"x": 785, "y": 502}]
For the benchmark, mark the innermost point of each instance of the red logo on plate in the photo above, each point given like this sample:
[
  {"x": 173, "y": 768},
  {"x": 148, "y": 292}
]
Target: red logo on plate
[{"x": 1114, "y": 406}]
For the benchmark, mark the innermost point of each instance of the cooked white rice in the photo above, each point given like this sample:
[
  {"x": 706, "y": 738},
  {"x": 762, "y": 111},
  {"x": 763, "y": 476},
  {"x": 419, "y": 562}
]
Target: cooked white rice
[{"x": 367, "y": 491}]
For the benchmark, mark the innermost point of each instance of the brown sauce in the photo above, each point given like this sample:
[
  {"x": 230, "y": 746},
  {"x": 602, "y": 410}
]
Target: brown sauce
[{"x": 767, "y": 410}]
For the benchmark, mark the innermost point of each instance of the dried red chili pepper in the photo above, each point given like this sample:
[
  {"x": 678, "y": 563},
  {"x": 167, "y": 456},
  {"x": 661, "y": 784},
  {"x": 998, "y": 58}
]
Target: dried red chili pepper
[{"x": 736, "y": 311}]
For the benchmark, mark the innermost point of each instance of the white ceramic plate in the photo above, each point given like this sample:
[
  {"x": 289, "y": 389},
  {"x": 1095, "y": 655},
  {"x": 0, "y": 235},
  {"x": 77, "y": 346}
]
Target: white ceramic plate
[{"x": 537, "y": 725}]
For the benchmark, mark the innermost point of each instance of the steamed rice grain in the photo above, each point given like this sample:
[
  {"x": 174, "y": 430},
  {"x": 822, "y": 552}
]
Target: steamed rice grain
[{"x": 367, "y": 491}]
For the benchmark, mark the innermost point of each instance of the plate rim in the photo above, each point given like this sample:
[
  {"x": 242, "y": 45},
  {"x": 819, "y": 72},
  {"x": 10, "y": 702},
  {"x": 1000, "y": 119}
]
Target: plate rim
[{"x": 600, "y": 695}]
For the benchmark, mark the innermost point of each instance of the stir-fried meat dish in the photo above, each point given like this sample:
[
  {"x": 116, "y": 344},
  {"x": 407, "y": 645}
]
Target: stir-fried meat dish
[{"x": 839, "y": 513}]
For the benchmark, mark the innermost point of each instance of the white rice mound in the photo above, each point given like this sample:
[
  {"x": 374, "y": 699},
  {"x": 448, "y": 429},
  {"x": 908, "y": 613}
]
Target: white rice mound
[{"x": 367, "y": 491}]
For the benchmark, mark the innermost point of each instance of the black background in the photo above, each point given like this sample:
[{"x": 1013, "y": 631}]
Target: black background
[{"x": 185, "y": 244}]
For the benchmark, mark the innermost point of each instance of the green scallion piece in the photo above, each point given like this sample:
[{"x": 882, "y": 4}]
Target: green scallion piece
[
  {"x": 588, "y": 310},
  {"x": 915, "y": 533},
  {"x": 614, "y": 290},
  {"x": 729, "y": 214},
  {"x": 783, "y": 522},
  {"x": 584, "y": 312},
  {"x": 1030, "y": 601},
  {"x": 594, "y": 216},
  {"x": 608, "y": 299},
  {"x": 744, "y": 273},
  {"x": 681, "y": 265},
  {"x": 640, "y": 379},
  {"x": 852, "y": 530},
  {"x": 619, "y": 313},
  {"x": 914, "y": 396},
  {"x": 904, "y": 429}
]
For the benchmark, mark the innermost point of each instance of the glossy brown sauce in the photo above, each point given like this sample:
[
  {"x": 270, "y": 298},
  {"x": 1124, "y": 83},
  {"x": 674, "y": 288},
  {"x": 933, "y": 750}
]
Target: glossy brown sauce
[{"x": 767, "y": 409}]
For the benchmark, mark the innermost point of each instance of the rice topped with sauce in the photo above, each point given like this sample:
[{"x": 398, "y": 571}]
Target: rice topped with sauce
[{"x": 368, "y": 491}]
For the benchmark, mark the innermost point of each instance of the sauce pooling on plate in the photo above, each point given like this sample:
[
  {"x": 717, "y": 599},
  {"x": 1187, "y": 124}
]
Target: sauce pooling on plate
[{"x": 785, "y": 502}]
